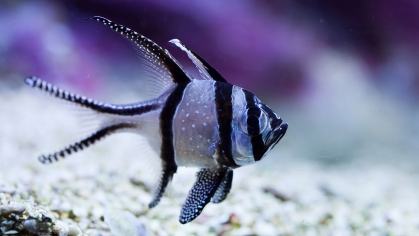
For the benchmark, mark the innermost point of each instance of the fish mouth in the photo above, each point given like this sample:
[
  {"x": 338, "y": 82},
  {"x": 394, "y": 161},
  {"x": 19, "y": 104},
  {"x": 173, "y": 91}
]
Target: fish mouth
[{"x": 275, "y": 135}]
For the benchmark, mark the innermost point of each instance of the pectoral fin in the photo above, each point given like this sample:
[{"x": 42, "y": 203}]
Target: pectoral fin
[
  {"x": 207, "y": 183},
  {"x": 224, "y": 188}
]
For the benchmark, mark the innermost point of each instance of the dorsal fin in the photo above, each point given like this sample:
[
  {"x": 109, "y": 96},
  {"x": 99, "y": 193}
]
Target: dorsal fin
[
  {"x": 207, "y": 71},
  {"x": 158, "y": 61}
]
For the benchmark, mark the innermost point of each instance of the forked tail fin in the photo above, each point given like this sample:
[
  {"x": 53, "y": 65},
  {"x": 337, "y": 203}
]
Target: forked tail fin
[
  {"x": 115, "y": 119},
  {"x": 100, "y": 107},
  {"x": 75, "y": 147}
]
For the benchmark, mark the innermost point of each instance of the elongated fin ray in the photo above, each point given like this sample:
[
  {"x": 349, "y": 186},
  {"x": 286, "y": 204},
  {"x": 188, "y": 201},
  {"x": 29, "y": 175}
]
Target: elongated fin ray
[
  {"x": 75, "y": 147},
  {"x": 166, "y": 177},
  {"x": 224, "y": 188},
  {"x": 160, "y": 60},
  {"x": 207, "y": 71},
  {"x": 123, "y": 110},
  {"x": 207, "y": 182}
]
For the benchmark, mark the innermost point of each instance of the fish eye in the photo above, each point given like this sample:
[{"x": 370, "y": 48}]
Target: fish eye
[{"x": 254, "y": 121}]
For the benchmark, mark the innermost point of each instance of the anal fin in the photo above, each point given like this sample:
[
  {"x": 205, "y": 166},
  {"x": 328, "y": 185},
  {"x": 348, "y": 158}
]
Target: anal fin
[
  {"x": 207, "y": 183},
  {"x": 166, "y": 176},
  {"x": 224, "y": 188}
]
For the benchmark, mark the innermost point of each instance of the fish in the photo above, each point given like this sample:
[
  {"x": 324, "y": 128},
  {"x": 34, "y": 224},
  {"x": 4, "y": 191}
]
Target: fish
[{"x": 206, "y": 123}]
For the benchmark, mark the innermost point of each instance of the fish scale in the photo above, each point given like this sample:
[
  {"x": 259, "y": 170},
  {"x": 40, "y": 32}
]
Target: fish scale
[{"x": 206, "y": 123}]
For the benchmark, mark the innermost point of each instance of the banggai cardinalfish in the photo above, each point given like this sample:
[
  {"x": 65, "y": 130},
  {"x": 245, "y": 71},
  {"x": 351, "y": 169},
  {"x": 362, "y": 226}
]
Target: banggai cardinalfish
[{"x": 206, "y": 123}]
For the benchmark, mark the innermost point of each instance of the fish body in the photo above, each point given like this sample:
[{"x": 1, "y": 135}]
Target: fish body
[{"x": 206, "y": 123}]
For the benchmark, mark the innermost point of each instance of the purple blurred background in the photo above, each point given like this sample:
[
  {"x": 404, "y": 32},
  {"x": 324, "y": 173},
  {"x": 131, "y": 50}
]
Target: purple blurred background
[{"x": 345, "y": 75}]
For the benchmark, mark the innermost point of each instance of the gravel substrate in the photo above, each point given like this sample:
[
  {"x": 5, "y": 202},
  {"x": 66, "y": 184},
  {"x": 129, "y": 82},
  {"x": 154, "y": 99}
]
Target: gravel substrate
[{"x": 105, "y": 190}]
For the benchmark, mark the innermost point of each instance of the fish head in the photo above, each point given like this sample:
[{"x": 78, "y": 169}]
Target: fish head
[{"x": 257, "y": 131}]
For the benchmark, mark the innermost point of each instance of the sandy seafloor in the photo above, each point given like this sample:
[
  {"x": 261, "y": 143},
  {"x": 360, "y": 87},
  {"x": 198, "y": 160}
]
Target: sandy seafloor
[{"x": 101, "y": 190}]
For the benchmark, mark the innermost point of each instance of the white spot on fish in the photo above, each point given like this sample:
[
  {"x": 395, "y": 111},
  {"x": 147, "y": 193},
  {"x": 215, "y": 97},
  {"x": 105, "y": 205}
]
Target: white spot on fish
[
  {"x": 205, "y": 124},
  {"x": 197, "y": 112},
  {"x": 187, "y": 114},
  {"x": 183, "y": 128},
  {"x": 193, "y": 125}
]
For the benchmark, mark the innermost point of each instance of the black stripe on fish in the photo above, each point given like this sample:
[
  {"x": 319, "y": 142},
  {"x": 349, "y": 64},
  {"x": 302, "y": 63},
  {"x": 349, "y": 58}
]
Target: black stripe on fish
[
  {"x": 166, "y": 123},
  {"x": 153, "y": 52},
  {"x": 123, "y": 110},
  {"x": 224, "y": 110},
  {"x": 96, "y": 136},
  {"x": 167, "y": 150},
  {"x": 254, "y": 112}
]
